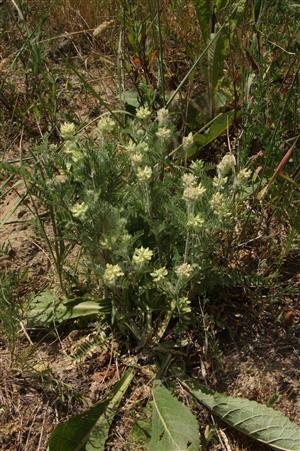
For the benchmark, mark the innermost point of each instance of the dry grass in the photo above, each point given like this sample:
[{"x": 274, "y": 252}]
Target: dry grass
[{"x": 67, "y": 15}]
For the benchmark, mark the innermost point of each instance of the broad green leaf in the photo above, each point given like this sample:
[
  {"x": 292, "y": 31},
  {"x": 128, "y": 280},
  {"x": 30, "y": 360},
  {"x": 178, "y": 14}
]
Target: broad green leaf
[
  {"x": 203, "y": 11},
  {"x": 89, "y": 430},
  {"x": 131, "y": 98},
  {"x": 253, "y": 419},
  {"x": 46, "y": 308},
  {"x": 140, "y": 434},
  {"x": 99, "y": 434},
  {"x": 216, "y": 129},
  {"x": 174, "y": 427},
  {"x": 217, "y": 68},
  {"x": 216, "y": 56}
]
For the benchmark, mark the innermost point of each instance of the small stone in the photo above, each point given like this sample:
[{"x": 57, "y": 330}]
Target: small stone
[{"x": 21, "y": 213}]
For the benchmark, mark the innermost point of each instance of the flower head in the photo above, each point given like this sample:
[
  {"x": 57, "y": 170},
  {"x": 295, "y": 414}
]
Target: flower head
[
  {"x": 79, "y": 210},
  {"x": 193, "y": 193},
  {"x": 217, "y": 201},
  {"x": 77, "y": 156},
  {"x": 220, "y": 182},
  {"x": 197, "y": 166},
  {"x": 136, "y": 158},
  {"x": 163, "y": 133},
  {"x": 195, "y": 222},
  {"x": 105, "y": 243},
  {"x": 226, "y": 165},
  {"x": 125, "y": 238},
  {"x": 242, "y": 176},
  {"x": 189, "y": 180},
  {"x": 112, "y": 273},
  {"x": 219, "y": 205},
  {"x": 144, "y": 175},
  {"x": 188, "y": 141},
  {"x": 184, "y": 305},
  {"x": 106, "y": 125},
  {"x": 163, "y": 117},
  {"x": 143, "y": 113},
  {"x": 70, "y": 148},
  {"x": 142, "y": 255},
  {"x": 159, "y": 274},
  {"x": 131, "y": 147},
  {"x": 67, "y": 130},
  {"x": 184, "y": 271}
]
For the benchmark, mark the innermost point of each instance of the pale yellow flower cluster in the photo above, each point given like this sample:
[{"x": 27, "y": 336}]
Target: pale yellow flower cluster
[
  {"x": 142, "y": 255},
  {"x": 189, "y": 180},
  {"x": 163, "y": 117},
  {"x": 71, "y": 149},
  {"x": 67, "y": 130},
  {"x": 79, "y": 210},
  {"x": 106, "y": 243},
  {"x": 220, "y": 182},
  {"x": 106, "y": 125},
  {"x": 217, "y": 201},
  {"x": 188, "y": 141},
  {"x": 144, "y": 174},
  {"x": 195, "y": 222},
  {"x": 192, "y": 192},
  {"x": 226, "y": 165},
  {"x": 112, "y": 273},
  {"x": 164, "y": 134},
  {"x": 143, "y": 113},
  {"x": 242, "y": 176},
  {"x": 219, "y": 204},
  {"x": 184, "y": 305},
  {"x": 184, "y": 271},
  {"x": 131, "y": 147},
  {"x": 136, "y": 152},
  {"x": 197, "y": 165},
  {"x": 159, "y": 274},
  {"x": 136, "y": 158}
]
